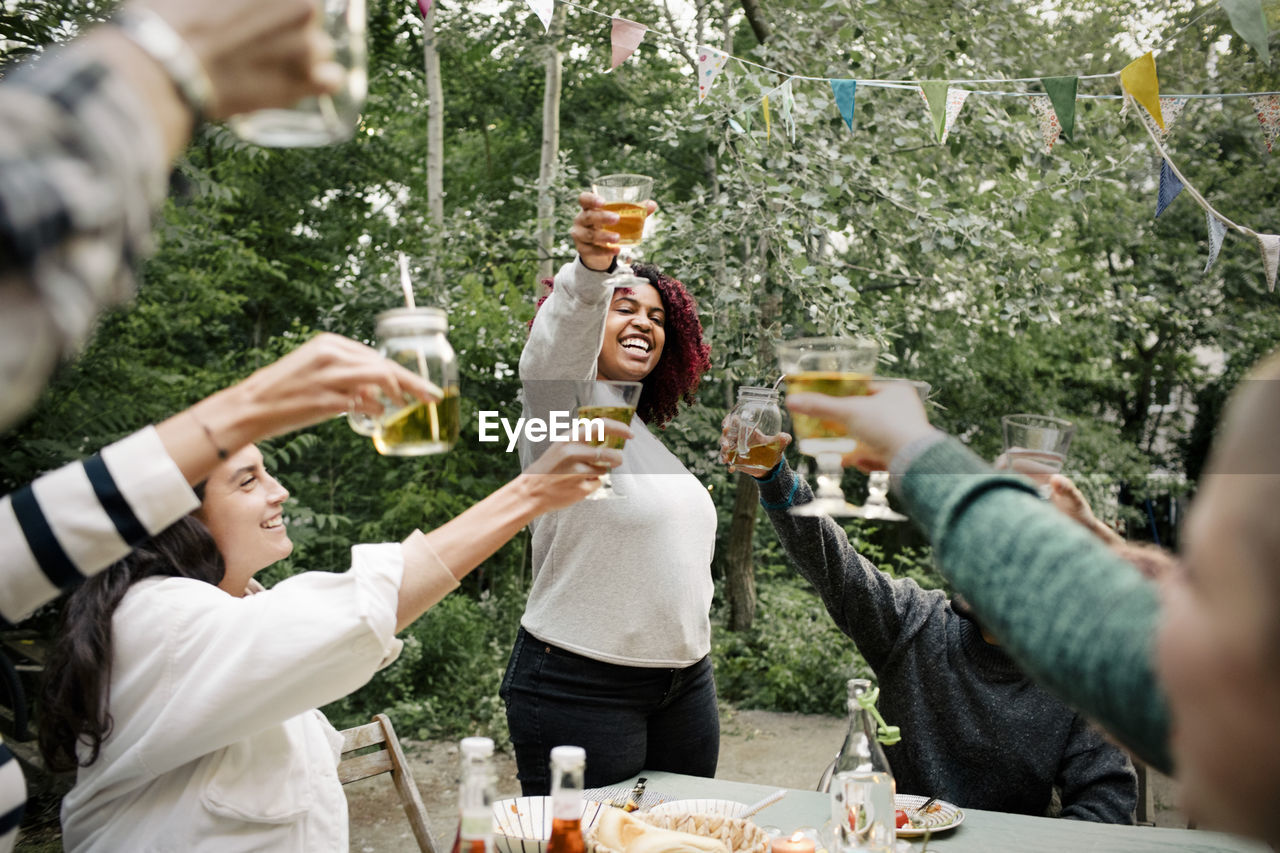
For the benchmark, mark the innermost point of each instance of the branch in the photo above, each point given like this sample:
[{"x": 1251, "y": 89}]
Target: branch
[
  {"x": 756, "y": 18},
  {"x": 684, "y": 51}
]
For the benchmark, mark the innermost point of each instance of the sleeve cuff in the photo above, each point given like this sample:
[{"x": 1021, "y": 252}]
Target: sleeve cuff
[
  {"x": 435, "y": 580},
  {"x": 778, "y": 489},
  {"x": 150, "y": 480},
  {"x": 941, "y": 472}
]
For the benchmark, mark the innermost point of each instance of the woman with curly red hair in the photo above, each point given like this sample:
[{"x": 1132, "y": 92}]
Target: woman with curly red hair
[{"x": 612, "y": 651}]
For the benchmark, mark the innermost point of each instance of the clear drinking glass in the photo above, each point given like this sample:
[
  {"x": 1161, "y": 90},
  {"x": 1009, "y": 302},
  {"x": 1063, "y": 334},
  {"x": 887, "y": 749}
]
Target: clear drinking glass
[
  {"x": 756, "y": 430},
  {"x": 325, "y": 119},
  {"x": 838, "y": 367},
  {"x": 606, "y": 399},
  {"x": 1036, "y": 446},
  {"x": 876, "y": 507},
  {"x": 625, "y": 195}
]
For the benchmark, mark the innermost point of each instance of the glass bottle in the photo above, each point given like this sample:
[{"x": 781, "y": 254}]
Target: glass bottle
[
  {"x": 568, "y": 764},
  {"x": 475, "y": 797},
  {"x": 862, "y": 786},
  {"x": 415, "y": 338},
  {"x": 759, "y": 424},
  {"x": 325, "y": 119}
]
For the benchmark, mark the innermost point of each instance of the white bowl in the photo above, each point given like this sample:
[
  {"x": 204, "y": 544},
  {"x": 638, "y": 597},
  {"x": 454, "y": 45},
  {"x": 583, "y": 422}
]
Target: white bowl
[
  {"x": 727, "y": 808},
  {"x": 523, "y": 824}
]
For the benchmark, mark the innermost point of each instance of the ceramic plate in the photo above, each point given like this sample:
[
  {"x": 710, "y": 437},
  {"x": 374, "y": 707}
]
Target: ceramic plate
[
  {"x": 942, "y": 815},
  {"x": 728, "y": 808}
]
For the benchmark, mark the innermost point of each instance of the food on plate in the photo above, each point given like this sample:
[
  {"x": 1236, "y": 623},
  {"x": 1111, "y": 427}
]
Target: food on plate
[
  {"x": 620, "y": 831},
  {"x": 900, "y": 818}
]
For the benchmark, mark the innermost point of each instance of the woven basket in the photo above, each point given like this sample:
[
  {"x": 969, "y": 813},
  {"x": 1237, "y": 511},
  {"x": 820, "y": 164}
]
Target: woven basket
[{"x": 740, "y": 835}]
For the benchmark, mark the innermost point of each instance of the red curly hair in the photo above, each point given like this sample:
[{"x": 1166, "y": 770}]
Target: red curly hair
[{"x": 685, "y": 355}]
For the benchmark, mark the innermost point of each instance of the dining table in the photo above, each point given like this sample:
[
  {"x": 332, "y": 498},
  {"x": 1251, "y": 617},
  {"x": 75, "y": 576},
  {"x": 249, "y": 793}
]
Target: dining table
[{"x": 979, "y": 832}]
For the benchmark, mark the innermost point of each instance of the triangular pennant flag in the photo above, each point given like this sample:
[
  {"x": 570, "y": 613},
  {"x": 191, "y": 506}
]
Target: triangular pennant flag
[
  {"x": 1062, "y": 94},
  {"x": 1268, "y": 109},
  {"x": 1139, "y": 79},
  {"x": 1270, "y": 246},
  {"x": 1049, "y": 127},
  {"x": 1171, "y": 110},
  {"x": 710, "y": 63},
  {"x": 955, "y": 100},
  {"x": 543, "y": 9},
  {"x": 767, "y": 126},
  {"x": 1125, "y": 102},
  {"x": 788, "y": 105},
  {"x": 424, "y": 6},
  {"x": 1248, "y": 19},
  {"x": 626, "y": 37},
  {"x": 844, "y": 91},
  {"x": 1170, "y": 186},
  {"x": 1217, "y": 230},
  {"x": 935, "y": 95}
]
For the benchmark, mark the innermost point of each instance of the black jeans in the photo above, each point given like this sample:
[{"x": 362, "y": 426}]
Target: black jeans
[{"x": 628, "y": 718}]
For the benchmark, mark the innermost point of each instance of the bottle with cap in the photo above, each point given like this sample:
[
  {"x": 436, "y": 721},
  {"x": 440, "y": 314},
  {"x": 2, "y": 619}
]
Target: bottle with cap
[
  {"x": 568, "y": 764},
  {"x": 475, "y": 797}
]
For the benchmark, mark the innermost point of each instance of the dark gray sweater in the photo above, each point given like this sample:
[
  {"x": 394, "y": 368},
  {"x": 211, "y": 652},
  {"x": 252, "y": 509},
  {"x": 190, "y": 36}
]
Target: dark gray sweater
[{"x": 975, "y": 731}]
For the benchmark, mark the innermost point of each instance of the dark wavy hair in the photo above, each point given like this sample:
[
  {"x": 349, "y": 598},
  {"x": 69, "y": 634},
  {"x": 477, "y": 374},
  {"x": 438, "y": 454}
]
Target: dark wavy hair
[
  {"x": 76, "y": 694},
  {"x": 685, "y": 355}
]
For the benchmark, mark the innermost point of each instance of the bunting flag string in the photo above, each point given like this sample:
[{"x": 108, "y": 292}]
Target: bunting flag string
[
  {"x": 1217, "y": 230},
  {"x": 1267, "y": 108},
  {"x": 844, "y": 91},
  {"x": 1170, "y": 186},
  {"x": 1049, "y": 127},
  {"x": 710, "y": 63},
  {"x": 1269, "y": 244},
  {"x": 1062, "y": 94}
]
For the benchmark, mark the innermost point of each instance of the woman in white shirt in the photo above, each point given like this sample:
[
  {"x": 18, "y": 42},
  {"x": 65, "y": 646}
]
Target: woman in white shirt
[
  {"x": 613, "y": 649},
  {"x": 186, "y": 704}
]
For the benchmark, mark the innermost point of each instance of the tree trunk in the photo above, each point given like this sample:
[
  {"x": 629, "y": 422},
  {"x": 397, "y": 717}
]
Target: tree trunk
[
  {"x": 740, "y": 579},
  {"x": 550, "y": 149},
  {"x": 756, "y": 18},
  {"x": 435, "y": 120}
]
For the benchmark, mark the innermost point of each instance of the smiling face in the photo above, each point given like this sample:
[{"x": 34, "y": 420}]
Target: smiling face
[
  {"x": 1218, "y": 655},
  {"x": 633, "y": 334},
  {"x": 241, "y": 508}
]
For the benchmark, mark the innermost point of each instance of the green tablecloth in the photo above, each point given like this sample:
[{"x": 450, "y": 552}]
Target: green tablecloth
[{"x": 981, "y": 832}]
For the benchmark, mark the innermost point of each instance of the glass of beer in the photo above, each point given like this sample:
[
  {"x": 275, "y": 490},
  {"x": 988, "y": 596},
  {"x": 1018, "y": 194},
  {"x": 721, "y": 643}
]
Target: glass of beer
[
  {"x": 876, "y": 507},
  {"x": 752, "y": 440},
  {"x": 625, "y": 195},
  {"x": 616, "y": 401},
  {"x": 415, "y": 339},
  {"x": 838, "y": 367},
  {"x": 1036, "y": 445},
  {"x": 325, "y": 119}
]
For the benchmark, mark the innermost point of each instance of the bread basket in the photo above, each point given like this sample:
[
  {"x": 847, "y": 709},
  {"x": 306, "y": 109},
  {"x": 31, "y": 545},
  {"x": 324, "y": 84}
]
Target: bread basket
[{"x": 740, "y": 835}]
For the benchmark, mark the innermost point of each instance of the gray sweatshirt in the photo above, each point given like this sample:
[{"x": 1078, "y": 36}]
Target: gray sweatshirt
[
  {"x": 622, "y": 581},
  {"x": 975, "y": 731}
]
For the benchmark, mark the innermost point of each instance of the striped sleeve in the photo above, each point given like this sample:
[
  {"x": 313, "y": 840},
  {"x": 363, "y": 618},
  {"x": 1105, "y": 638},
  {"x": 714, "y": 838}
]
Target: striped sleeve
[
  {"x": 74, "y": 522},
  {"x": 13, "y": 798}
]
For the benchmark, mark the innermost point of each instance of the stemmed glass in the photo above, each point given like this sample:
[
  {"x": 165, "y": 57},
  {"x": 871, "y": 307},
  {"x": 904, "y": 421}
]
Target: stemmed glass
[
  {"x": 625, "y": 195},
  {"x": 876, "y": 507},
  {"x": 1036, "y": 445},
  {"x": 838, "y": 367},
  {"x": 606, "y": 399}
]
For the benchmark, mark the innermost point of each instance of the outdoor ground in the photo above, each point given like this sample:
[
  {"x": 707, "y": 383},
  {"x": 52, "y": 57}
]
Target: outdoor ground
[{"x": 764, "y": 747}]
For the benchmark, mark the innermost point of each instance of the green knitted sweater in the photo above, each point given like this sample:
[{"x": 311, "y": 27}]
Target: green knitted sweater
[{"x": 1077, "y": 617}]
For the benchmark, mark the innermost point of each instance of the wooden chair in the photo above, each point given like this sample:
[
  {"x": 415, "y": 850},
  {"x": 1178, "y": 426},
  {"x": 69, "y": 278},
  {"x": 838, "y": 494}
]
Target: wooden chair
[{"x": 358, "y": 762}]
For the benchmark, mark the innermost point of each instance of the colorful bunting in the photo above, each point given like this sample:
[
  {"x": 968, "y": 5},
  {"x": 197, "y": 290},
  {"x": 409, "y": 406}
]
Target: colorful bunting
[
  {"x": 1270, "y": 246},
  {"x": 1268, "y": 109},
  {"x": 1217, "y": 230},
  {"x": 424, "y": 6},
  {"x": 710, "y": 63},
  {"x": 767, "y": 126},
  {"x": 1170, "y": 186},
  {"x": 1049, "y": 127},
  {"x": 1250, "y": 22},
  {"x": 543, "y": 9},
  {"x": 626, "y": 37},
  {"x": 1139, "y": 79},
  {"x": 1171, "y": 107},
  {"x": 844, "y": 91},
  {"x": 934, "y": 93},
  {"x": 1062, "y": 93}
]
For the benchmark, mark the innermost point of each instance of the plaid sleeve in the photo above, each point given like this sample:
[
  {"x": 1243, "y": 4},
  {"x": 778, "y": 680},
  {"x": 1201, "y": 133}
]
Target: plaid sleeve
[{"x": 82, "y": 173}]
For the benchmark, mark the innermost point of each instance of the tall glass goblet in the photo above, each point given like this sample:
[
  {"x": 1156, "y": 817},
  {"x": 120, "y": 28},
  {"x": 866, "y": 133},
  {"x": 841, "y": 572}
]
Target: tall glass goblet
[
  {"x": 625, "y": 195},
  {"x": 838, "y": 367},
  {"x": 876, "y": 507},
  {"x": 1036, "y": 446},
  {"x": 605, "y": 399}
]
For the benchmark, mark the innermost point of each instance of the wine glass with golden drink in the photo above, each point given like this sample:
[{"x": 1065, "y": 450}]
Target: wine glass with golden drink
[
  {"x": 616, "y": 401},
  {"x": 876, "y": 507},
  {"x": 625, "y": 195},
  {"x": 837, "y": 367}
]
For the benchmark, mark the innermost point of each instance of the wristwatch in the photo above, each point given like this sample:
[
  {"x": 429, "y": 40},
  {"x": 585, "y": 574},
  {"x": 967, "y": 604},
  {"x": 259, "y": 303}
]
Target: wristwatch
[{"x": 153, "y": 34}]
